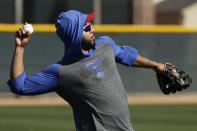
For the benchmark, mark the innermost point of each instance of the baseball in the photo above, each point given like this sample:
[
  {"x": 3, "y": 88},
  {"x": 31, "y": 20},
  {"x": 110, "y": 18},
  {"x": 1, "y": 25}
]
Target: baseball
[{"x": 28, "y": 27}]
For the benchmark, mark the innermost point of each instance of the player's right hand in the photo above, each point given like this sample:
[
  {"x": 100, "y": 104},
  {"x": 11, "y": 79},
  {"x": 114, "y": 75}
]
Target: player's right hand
[{"x": 21, "y": 37}]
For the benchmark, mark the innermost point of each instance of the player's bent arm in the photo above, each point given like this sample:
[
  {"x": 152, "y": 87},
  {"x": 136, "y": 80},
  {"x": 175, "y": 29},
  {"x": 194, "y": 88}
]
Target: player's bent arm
[
  {"x": 21, "y": 40},
  {"x": 19, "y": 83},
  {"x": 147, "y": 63}
]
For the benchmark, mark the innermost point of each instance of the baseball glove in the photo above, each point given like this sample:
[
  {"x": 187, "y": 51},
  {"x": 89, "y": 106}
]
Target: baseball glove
[{"x": 173, "y": 79}]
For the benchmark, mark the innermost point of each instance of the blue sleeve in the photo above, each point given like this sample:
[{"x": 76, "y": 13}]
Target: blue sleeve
[
  {"x": 125, "y": 55},
  {"x": 40, "y": 83}
]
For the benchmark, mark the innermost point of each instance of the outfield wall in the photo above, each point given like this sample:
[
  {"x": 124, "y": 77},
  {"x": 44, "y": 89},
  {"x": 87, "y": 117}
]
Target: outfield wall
[{"x": 173, "y": 44}]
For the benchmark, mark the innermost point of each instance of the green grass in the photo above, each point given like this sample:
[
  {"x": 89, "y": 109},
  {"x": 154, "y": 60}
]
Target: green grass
[
  {"x": 164, "y": 117},
  {"x": 60, "y": 118}
]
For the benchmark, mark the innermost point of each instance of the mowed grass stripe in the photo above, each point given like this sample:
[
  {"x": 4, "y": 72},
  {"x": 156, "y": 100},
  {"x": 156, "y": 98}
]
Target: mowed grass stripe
[{"x": 60, "y": 118}]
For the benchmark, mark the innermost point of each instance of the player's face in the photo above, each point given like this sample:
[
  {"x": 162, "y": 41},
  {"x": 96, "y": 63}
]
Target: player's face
[{"x": 88, "y": 39}]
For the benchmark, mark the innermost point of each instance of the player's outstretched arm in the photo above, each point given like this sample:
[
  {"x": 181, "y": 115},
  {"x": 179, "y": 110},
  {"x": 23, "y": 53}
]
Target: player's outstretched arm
[
  {"x": 147, "y": 63},
  {"x": 21, "y": 40}
]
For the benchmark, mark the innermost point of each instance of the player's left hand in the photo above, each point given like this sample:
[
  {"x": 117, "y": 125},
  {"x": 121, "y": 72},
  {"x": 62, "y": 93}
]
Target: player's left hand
[{"x": 173, "y": 79}]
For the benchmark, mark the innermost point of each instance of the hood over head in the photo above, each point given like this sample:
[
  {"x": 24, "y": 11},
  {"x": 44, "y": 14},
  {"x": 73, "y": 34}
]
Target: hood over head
[{"x": 69, "y": 28}]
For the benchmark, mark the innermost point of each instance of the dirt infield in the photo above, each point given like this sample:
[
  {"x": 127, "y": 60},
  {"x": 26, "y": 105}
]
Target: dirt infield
[{"x": 137, "y": 98}]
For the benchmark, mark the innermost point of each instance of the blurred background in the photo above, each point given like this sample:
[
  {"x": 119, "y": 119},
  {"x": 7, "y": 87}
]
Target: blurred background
[
  {"x": 181, "y": 12},
  {"x": 162, "y": 30}
]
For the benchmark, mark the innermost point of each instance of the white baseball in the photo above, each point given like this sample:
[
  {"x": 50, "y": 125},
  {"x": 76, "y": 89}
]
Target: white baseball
[{"x": 29, "y": 28}]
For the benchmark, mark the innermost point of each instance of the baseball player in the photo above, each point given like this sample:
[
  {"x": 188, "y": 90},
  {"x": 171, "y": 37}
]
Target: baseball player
[{"x": 86, "y": 76}]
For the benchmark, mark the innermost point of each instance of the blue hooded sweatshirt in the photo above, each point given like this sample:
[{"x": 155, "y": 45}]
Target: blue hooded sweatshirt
[{"x": 69, "y": 28}]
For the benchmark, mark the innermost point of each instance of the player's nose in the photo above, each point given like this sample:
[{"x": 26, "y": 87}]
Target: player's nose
[{"x": 92, "y": 29}]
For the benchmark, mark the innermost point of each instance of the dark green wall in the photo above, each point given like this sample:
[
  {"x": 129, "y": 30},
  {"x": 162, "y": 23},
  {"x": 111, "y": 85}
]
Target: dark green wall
[
  {"x": 46, "y": 48},
  {"x": 46, "y": 11},
  {"x": 7, "y": 11}
]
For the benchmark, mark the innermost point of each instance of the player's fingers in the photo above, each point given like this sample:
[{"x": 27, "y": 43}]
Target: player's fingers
[
  {"x": 23, "y": 32},
  {"x": 28, "y": 35},
  {"x": 24, "y": 41},
  {"x": 19, "y": 32}
]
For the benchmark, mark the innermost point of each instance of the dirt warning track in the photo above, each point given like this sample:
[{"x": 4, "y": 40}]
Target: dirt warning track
[{"x": 137, "y": 98}]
